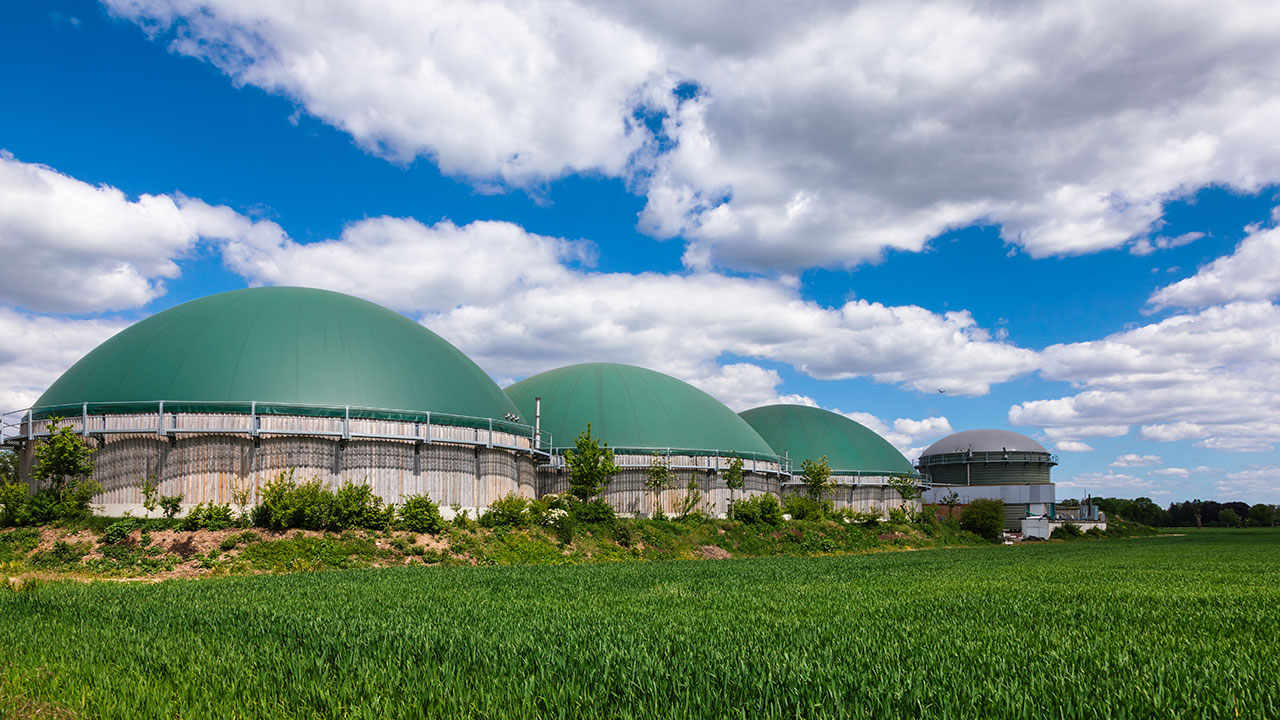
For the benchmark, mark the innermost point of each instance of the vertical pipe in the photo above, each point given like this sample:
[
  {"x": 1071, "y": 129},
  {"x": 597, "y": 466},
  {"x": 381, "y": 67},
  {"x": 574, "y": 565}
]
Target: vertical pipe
[
  {"x": 84, "y": 420},
  {"x": 537, "y": 419}
]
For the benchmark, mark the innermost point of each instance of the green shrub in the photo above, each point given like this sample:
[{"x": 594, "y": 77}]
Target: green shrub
[
  {"x": 984, "y": 517},
  {"x": 218, "y": 517},
  {"x": 461, "y": 518},
  {"x": 511, "y": 511},
  {"x": 61, "y": 556},
  {"x": 171, "y": 505},
  {"x": 868, "y": 518},
  {"x": 312, "y": 506},
  {"x": 13, "y": 504},
  {"x": 195, "y": 519},
  {"x": 801, "y": 507},
  {"x": 592, "y": 511},
  {"x": 420, "y": 514},
  {"x": 1094, "y": 533},
  {"x": 119, "y": 532},
  {"x": 1067, "y": 531},
  {"x": 760, "y": 509},
  {"x": 15, "y": 544},
  {"x": 229, "y": 543},
  {"x": 355, "y": 506}
]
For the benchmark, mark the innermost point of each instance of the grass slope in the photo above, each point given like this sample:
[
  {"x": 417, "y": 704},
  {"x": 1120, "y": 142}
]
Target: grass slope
[{"x": 1166, "y": 627}]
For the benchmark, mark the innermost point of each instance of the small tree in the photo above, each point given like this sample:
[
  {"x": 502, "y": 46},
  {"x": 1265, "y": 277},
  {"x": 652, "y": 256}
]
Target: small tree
[
  {"x": 1229, "y": 518},
  {"x": 984, "y": 517},
  {"x": 733, "y": 479},
  {"x": 656, "y": 479},
  {"x": 816, "y": 477},
  {"x": 689, "y": 501},
  {"x": 591, "y": 466},
  {"x": 150, "y": 488},
  {"x": 906, "y": 487},
  {"x": 63, "y": 459},
  {"x": 951, "y": 500},
  {"x": 242, "y": 497}
]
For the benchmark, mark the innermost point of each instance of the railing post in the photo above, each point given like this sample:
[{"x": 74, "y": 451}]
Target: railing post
[
  {"x": 490, "y": 432},
  {"x": 31, "y": 419},
  {"x": 84, "y": 420},
  {"x": 160, "y": 419},
  {"x": 346, "y": 423}
]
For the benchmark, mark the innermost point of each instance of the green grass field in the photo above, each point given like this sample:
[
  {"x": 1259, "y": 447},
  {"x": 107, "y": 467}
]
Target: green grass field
[{"x": 1164, "y": 627}]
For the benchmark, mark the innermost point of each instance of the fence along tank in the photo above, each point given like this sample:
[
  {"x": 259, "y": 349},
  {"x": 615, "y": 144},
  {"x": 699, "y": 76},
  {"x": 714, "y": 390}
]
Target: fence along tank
[
  {"x": 229, "y": 390},
  {"x": 641, "y": 413}
]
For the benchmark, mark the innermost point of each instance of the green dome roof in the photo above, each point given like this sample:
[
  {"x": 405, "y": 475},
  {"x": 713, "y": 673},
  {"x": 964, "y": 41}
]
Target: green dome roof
[
  {"x": 634, "y": 409},
  {"x": 808, "y": 433},
  {"x": 280, "y": 345}
]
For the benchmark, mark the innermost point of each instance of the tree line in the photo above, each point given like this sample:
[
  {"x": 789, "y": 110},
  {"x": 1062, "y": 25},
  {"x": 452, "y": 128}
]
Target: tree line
[{"x": 1191, "y": 513}]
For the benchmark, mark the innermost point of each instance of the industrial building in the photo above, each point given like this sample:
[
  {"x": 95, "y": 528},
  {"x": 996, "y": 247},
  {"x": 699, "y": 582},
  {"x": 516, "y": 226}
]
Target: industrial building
[
  {"x": 227, "y": 391},
  {"x": 223, "y": 393},
  {"x": 644, "y": 414},
  {"x": 862, "y": 463},
  {"x": 999, "y": 464}
]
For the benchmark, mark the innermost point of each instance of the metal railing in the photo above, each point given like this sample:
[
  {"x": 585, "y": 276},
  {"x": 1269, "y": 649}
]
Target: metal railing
[
  {"x": 855, "y": 479},
  {"x": 630, "y": 458},
  {"x": 958, "y": 458},
  {"x": 345, "y": 422}
]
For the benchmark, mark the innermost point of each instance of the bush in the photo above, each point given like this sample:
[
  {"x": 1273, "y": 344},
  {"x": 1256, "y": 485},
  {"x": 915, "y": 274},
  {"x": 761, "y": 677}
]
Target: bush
[
  {"x": 420, "y": 514},
  {"x": 868, "y": 518},
  {"x": 801, "y": 507},
  {"x": 61, "y": 555},
  {"x": 1094, "y": 533},
  {"x": 758, "y": 510},
  {"x": 511, "y": 511},
  {"x": 1068, "y": 531},
  {"x": 118, "y": 532},
  {"x": 984, "y": 517},
  {"x": 74, "y": 503},
  {"x": 311, "y": 506},
  {"x": 355, "y": 506},
  {"x": 592, "y": 511},
  {"x": 13, "y": 504},
  {"x": 170, "y": 505}
]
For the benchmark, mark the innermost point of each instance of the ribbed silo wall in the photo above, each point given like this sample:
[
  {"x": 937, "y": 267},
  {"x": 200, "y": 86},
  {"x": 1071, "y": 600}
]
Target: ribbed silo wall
[
  {"x": 209, "y": 468},
  {"x": 627, "y": 494},
  {"x": 1014, "y": 473}
]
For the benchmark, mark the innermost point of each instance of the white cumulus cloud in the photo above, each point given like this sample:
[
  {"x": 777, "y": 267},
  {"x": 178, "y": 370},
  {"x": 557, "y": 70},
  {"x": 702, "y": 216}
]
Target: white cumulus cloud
[
  {"x": 1207, "y": 376},
  {"x": 819, "y": 133},
  {"x": 1129, "y": 460},
  {"x": 1249, "y": 273},
  {"x": 36, "y": 350}
]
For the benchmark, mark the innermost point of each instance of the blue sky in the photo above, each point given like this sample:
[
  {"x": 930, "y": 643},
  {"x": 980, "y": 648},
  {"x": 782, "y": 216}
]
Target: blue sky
[{"x": 1062, "y": 216}]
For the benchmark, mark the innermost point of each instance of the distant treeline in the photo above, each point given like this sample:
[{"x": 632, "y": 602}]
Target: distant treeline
[{"x": 1191, "y": 513}]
